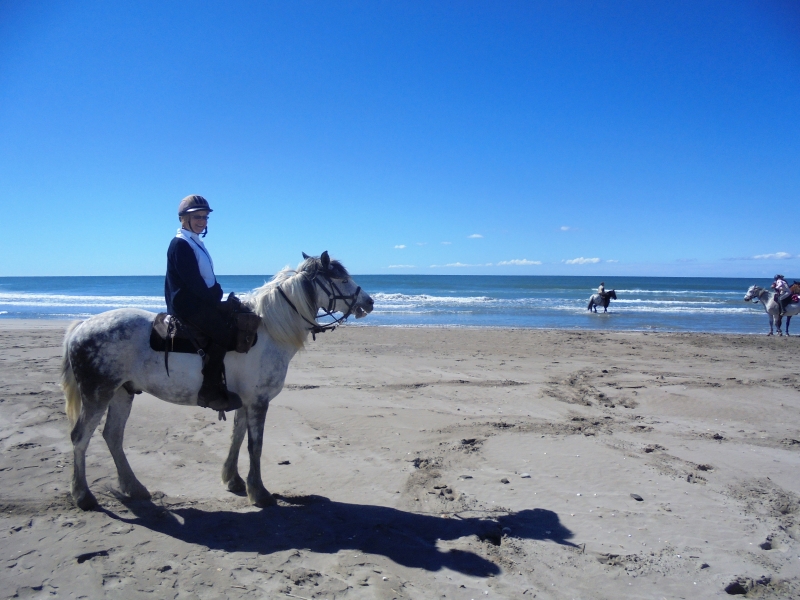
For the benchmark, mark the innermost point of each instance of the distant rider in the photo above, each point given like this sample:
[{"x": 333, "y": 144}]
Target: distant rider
[
  {"x": 601, "y": 289},
  {"x": 783, "y": 295},
  {"x": 194, "y": 296}
]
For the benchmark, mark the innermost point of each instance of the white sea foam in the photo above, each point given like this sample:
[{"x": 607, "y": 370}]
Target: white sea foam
[
  {"x": 55, "y": 300},
  {"x": 426, "y": 304},
  {"x": 425, "y": 298},
  {"x": 681, "y": 292},
  {"x": 697, "y": 303}
]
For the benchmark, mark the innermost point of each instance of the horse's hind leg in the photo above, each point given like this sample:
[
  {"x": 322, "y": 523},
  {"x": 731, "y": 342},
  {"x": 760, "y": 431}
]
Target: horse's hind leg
[
  {"x": 118, "y": 411},
  {"x": 89, "y": 419},
  {"x": 230, "y": 470},
  {"x": 256, "y": 492}
]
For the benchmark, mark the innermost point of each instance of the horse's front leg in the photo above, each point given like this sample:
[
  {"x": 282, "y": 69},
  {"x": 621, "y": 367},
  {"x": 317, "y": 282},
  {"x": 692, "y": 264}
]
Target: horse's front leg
[
  {"x": 114, "y": 431},
  {"x": 770, "y": 324},
  {"x": 256, "y": 415},
  {"x": 230, "y": 470}
]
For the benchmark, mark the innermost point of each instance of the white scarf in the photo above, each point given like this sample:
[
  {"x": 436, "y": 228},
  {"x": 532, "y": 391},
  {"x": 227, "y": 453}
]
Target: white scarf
[{"x": 204, "y": 261}]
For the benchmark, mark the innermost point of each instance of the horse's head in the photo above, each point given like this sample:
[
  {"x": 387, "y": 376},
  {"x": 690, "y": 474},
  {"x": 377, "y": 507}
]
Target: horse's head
[
  {"x": 335, "y": 291},
  {"x": 753, "y": 294},
  {"x": 612, "y": 294}
]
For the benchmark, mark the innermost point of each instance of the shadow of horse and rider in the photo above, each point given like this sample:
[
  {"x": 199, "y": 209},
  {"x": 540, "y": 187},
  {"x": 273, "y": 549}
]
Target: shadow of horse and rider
[{"x": 324, "y": 526}]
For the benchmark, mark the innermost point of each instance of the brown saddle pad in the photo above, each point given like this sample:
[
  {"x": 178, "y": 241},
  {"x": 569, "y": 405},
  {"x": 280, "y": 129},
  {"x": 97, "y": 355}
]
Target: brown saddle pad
[{"x": 171, "y": 334}]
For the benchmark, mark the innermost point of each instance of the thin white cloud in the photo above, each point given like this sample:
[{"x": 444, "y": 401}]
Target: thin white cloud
[
  {"x": 582, "y": 261},
  {"x": 475, "y": 236},
  {"x": 565, "y": 228},
  {"x": 422, "y": 243},
  {"x": 446, "y": 243},
  {"x": 402, "y": 266},
  {"x": 520, "y": 262},
  {"x": 773, "y": 256},
  {"x": 400, "y": 246},
  {"x": 611, "y": 260}
]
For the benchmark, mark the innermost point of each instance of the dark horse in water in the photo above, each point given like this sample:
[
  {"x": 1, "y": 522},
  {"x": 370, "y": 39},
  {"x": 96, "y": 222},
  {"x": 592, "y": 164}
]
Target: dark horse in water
[{"x": 598, "y": 300}]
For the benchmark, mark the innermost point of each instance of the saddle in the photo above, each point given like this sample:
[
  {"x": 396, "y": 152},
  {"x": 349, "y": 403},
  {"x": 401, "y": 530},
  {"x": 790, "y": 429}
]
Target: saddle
[{"x": 170, "y": 334}]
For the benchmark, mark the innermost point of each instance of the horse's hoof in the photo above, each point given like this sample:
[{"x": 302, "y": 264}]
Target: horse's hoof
[
  {"x": 86, "y": 501},
  {"x": 137, "y": 492},
  {"x": 262, "y": 500},
  {"x": 237, "y": 486}
]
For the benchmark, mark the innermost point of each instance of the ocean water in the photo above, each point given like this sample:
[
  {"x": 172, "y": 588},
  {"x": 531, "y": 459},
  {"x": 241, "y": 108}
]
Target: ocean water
[{"x": 644, "y": 303}]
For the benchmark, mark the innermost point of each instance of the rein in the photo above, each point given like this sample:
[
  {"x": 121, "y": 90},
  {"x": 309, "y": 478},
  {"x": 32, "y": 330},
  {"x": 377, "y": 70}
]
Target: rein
[
  {"x": 333, "y": 294},
  {"x": 756, "y": 298}
]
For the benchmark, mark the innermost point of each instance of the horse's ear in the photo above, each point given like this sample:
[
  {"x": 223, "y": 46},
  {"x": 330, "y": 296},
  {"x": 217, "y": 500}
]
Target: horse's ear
[
  {"x": 306, "y": 256},
  {"x": 326, "y": 260}
]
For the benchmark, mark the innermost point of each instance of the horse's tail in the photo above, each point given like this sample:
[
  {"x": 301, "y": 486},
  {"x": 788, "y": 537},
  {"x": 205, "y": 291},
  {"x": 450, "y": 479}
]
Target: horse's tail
[
  {"x": 591, "y": 301},
  {"x": 68, "y": 381}
]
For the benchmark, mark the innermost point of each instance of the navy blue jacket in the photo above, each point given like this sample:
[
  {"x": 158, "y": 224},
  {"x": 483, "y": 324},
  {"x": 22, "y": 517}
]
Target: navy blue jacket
[{"x": 185, "y": 289}]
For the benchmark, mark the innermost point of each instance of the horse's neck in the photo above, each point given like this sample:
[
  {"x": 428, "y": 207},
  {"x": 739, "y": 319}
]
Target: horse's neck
[{"x": 766, "y": 299}]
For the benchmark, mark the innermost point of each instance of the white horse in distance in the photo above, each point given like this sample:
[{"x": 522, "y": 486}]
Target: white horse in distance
[{"x": 773, "y": 309}]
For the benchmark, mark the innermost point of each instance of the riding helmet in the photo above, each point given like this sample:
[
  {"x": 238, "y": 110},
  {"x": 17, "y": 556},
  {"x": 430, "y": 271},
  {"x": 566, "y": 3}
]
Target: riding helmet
[{"x": 192, "y": 204}]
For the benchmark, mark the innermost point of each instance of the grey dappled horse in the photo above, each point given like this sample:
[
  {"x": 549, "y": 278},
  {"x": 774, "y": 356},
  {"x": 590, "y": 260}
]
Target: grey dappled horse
[
  {"x": 107, "y": 359},
  {"x": 598, "y": 300},
  {"x": 773, "y": 309}
]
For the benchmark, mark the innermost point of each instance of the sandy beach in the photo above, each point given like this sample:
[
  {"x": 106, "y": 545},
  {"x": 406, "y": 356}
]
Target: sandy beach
[{"x": 429, "y": 463}]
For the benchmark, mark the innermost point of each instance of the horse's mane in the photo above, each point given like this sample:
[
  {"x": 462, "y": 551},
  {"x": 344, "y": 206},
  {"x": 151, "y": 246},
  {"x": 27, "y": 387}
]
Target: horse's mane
[{"x": 283, "y": 324}]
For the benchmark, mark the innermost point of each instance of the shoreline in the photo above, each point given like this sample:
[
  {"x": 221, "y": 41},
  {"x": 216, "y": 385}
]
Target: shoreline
[{"x": 48, "y": 323}]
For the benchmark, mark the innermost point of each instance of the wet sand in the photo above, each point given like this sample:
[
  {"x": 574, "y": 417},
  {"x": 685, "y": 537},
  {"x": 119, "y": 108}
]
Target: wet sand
[{"x": 429, "y": 463}]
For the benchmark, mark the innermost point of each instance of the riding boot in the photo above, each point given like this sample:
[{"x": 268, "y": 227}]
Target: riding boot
[
  {"x": 782, "y": 302},
  {"x": 214, "y": 393}
]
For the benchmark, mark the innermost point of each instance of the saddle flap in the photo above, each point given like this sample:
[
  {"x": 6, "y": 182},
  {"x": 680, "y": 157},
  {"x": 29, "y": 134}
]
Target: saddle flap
[
  {"x": 161, "y": 325},
  {"x": 246, "y": 327}
]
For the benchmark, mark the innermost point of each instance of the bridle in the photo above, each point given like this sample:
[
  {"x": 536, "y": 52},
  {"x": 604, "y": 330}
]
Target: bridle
[
  {"x": 757, "y": 293},
  {"x": 333, "y": 293}
]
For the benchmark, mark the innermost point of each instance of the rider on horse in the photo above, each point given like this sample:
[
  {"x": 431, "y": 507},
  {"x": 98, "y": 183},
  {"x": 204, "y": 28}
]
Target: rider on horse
[
  {"x": 601, "y": 289},
  {"x": 195, "y": 298},
  {"x": 783, "y": 294}
]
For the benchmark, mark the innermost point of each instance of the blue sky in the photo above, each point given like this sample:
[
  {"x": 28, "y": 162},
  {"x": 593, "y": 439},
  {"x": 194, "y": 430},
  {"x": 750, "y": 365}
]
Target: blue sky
[{"x": 642, "y": 138}]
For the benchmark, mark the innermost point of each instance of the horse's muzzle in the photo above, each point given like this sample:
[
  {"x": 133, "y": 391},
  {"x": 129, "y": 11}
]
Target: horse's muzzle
[{"x": 362, "y": 309}]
